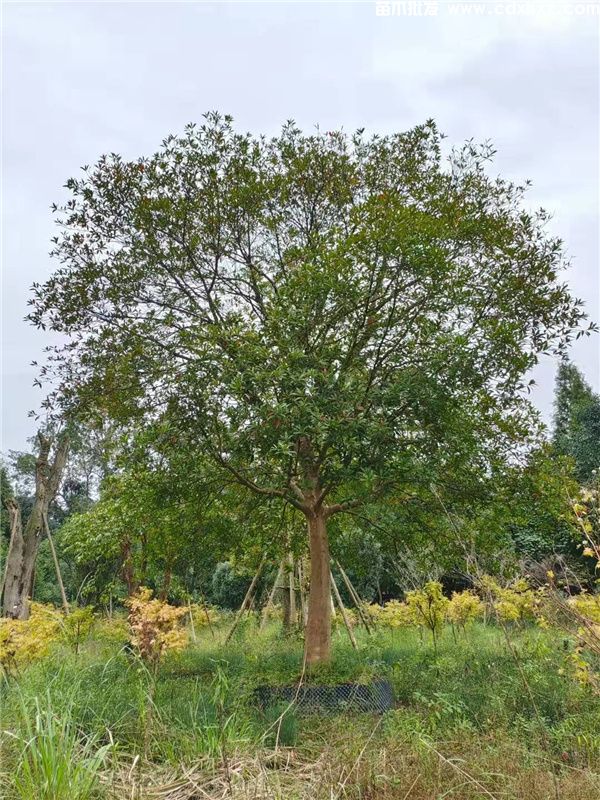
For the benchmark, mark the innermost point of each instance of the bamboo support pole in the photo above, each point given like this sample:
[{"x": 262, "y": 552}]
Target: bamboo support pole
[
  {"x": 207, "y": 615},
  {"x": 191, "y": 613},
  {"x": 355, "y": 597},
  {"x": 61, "y": 585},
  {"x": 302, "y": 592},
  {"x": 271, "y": 597},
  {"x": 292, "y": 590},
  {"x": 343, "y": 611},
  {"x": 246, "y": 600}
]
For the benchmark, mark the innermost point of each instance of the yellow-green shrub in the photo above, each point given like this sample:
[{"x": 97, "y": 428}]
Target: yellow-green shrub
[
  {"x": 514, "y": 603},
  {"x": 464, "y": 608},
  {"x": 113, "y": 631},
  {"x": 77, "y": 626},
  {"x": 588, "y": 605},
  {"x": 205, "y": 615},
  {"x": 22, "y": 641},
  {"x": 428, "y": 606},
  {"x": 393, "y": 614},
  {"x": 155, "y": 626},
  {"x": 351, "y": 615}
]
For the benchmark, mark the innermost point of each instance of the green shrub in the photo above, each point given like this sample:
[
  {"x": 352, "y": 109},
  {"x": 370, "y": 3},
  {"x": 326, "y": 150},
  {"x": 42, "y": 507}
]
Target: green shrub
[
  {"x": 228, "y": 587},
  {"x": 282, "y": 727}
]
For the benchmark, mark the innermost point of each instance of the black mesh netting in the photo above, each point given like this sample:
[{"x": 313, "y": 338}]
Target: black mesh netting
[{"x": 376, "y": 696}]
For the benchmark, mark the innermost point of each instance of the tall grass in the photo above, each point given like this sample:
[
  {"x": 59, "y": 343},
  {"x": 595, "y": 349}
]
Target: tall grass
[{"x": 55, "y": 761}]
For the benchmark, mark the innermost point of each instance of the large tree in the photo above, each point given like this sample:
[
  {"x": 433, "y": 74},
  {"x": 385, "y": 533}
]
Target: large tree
[{"x": 323, "y": 316}]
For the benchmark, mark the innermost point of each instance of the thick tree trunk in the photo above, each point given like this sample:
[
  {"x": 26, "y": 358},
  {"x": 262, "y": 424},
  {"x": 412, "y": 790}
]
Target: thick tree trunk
[
  {"x": 12, "y": 589},
  {"x": 20, "y": 562},
  {"x": 317, "y": 646},
  {"x": 24, "y": 543}
]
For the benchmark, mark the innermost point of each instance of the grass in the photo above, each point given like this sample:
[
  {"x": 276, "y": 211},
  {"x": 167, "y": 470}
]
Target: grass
[
  {"x": 54, "y": 761},
  {"x": 480, "y": 719}
]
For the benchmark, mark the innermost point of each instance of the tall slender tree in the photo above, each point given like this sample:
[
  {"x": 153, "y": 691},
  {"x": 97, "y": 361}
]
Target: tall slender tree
[
  {"x": 324, "y": 317},
  {"x": 576, "y": 420}
]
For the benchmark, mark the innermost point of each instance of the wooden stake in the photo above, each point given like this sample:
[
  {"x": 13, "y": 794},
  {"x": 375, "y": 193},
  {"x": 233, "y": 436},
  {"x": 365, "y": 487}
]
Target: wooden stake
[
  {"x": 207, "y": 615},
  {"x": 355, "y": 597},
  {"x": 246, "y": 600},
  {"x": 63, "y": 594},
  {"x": 343, "y": 611},
  {"x": 194, "y": 639},
  {"x": 292, "y": 589},
  {"x": 302, "y": 592},
  {"x": 271, "y": 597}
]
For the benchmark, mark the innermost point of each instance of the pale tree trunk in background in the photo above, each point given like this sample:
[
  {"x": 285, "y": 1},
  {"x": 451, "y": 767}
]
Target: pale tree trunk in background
[
  {"x": 292, "y": 590},
  {"x": 302, "y": 593},
  {"x": 289, "y": 594},
  {"x": 24, "y": 543},
  {"x": 247, "y": 599},
  {"x": 16, "y": 546},
  {"x": 285, "y": 597}
]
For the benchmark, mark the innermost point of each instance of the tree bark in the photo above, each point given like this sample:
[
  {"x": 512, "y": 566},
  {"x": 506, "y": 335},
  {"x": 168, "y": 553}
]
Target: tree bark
[
  {"x": 317, "y": 647},
  {"x": 14, "y": 558},
  {"x": 24, "y": 543},
  {"x": 127, "y": 571},
  {"x": 166, "y": 584}
]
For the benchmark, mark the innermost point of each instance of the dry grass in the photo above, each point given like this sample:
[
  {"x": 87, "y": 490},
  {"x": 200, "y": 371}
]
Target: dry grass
[{"x": 378, "y": 773}]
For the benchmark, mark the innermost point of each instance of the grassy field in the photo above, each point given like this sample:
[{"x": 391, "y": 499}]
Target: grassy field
[{"x": 489, "y": 716}]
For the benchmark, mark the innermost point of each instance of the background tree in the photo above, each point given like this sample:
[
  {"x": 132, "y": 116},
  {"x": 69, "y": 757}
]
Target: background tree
[
  {"x": 89, "y": 460},
  {"x": 576, "y": 421},
  {"x": 161, "y": 521},
  {"x": 25, "y": 540},
  {"x": 321, "y": 316}
]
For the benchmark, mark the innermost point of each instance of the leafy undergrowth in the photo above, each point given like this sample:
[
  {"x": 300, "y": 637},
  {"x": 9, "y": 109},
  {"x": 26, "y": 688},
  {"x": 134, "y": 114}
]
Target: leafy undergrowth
[{"x": 484, "y": 716}]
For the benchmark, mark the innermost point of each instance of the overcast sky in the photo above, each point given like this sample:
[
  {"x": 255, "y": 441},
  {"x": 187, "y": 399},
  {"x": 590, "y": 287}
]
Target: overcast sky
[{"x": 80, "y": 79}]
